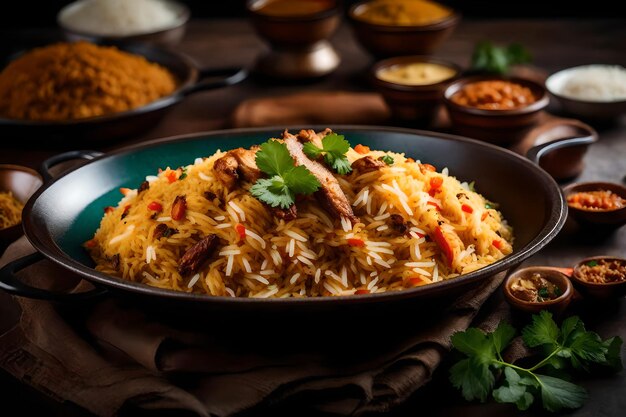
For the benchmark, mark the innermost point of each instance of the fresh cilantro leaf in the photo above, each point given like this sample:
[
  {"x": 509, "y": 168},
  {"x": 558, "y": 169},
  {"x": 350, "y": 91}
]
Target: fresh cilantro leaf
[
  {"x": 300, "y": 181},
  {"x": 334, "y": 148},
  {"x": 592, "y": 263},
  {"x": 273, "y": 158},
  {"x": 270, "y": 192},
  {"x": 473, "y": 378},
  {"x": 183, "y": 175},
  {"x": 311, "y": 150},
  {"x": 588, "y": 346},
  {"x": 286, "y": 180},
  {"x": 525, "y": 401},
  {"x": 512, "y": 391},
  {"x": 474, "y": 343},
  {"x": 502, "y": 336},
  {"x": 388, "y": 159},
  {"x": 557, "y": 394},
  {"x": 543, "y": 330},
  {"x": 613, "y": 348},
  {"x": 492, "y": 58}
]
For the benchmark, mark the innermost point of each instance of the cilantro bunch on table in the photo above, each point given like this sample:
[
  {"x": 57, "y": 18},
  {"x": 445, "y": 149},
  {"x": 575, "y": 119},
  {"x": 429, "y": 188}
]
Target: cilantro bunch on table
[
  {"x": 498, "y": 59},
  {"x": 285, "y": 179},
  {"x": 484, "y": 372},
  {"x": 334, "y": 148}
]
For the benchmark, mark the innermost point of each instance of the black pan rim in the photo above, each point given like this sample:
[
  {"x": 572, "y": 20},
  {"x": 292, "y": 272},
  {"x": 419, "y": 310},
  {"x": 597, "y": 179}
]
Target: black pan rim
[{"x": 551, "y": 228}]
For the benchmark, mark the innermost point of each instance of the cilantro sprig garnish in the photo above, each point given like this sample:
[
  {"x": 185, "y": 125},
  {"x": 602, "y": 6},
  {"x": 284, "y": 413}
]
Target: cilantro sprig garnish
[
  {"x": 285, "y": 179},
  {"x": 571, "y": 346},
  {"x": 388, "y": 159},
  {"x": 334, "y": 148}
]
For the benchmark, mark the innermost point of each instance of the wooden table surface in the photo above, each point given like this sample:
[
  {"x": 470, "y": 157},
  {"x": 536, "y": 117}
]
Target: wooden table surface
[{"x": 555, "y": 44}]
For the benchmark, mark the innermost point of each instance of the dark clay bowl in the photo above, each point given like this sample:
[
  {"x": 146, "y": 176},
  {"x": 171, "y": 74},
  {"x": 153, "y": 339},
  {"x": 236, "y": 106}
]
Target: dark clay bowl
[
  {"x": 500, "y": 127},
  {"x": 553, "y": 275},
  {"x": 598, "y": 290},
  {"x": 170, "y": 36},
  {"x": 603, "y": 220},
  {"x": 22, "y": 182},
  {"x": 415, "y": 104},
  {"x": 385, "y": 41}
]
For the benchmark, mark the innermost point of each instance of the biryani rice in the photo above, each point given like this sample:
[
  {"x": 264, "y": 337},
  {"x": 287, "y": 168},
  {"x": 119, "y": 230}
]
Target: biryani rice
[{"x": 313, "y": 255}]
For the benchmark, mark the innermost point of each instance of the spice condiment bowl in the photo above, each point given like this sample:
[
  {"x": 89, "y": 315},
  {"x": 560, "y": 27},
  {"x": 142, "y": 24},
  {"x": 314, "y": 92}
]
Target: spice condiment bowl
[
  {"x": 600, "y": 219},
  {"x": 387, "y": 40},
  {"x": 22, "y": 182},
  {"x": 415, "y": 102},
  {"x": 553, "y": 276},
  {"x": 170, "y": 36},
  {"x": 610, "y": 267},
  {"x": 499, "y": 126},
  {"x": 298, "y": 39},
  {"x": 596, "y": 110}
]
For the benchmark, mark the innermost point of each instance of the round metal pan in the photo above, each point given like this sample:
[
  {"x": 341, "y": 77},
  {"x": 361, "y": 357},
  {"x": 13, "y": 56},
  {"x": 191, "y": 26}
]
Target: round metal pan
[
  {"x": 115, "y": 126},
  {"x": 65, "y": 212}
]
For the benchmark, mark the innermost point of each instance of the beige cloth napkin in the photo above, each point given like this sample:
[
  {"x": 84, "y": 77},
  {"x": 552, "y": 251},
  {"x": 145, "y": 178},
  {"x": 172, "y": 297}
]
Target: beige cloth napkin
[{"x": 110, "y": 356}]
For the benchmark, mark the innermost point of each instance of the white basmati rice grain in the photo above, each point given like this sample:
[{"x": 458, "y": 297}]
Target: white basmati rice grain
[
  {"x": 230, "y": 292},
  {"x": 204, "y": 176},
  {"x": 330, "y": 288},
  {"x": 246, "y": 264},
  {"x": 266, "y": 294},
  {"x": 382, "y": 228},
  {"x": 373, "y": 274},
  {"x": 445, "y": 172},
  {"x": 295, "y": 235},
  {"x": 267, "y": 272},
  {"x": 258, "y": 277},
  {"x": 382, "y": 263},
  {"x": 372, "y": 283},
  {"x": 425, "y": 264},
  {"x": 230, "y": 252},
  {"x": 344, "y": 276},
  {"x": 164, "y": 219},
  {"x": 421, "y": 271},
  {"x": 305, "y": 260},
  {"x": 151, "y": 178},
  {"x": 222, "y": 226},
  {"x": 239, "y": 210},
  {"x": 291, "y": 248},
  {"x": 346, "y": 225},
  {"x": 378, "y": 249},
  {"x": 278, "y": 260},
  {"x": 372, "y": 243},
  {"x": 362, "y": 278},
  {"x": 382, "y": 216},
  {"x": 318, "y": 273},
  {"x": 256, "y": 237},
  {"x": 294, "y": 278},
  {"x": 264, "y": 264},
  {"x": 197, "y": 161},
  {"x": 369, "y": 260},
  {"x": 193, "y": 281},
  {"x": 126, "y": 234},
  {"x": 220, "y": 218},
  {"x": 436, "y": 273},
  {"x": 149, "y": 277},
  {"x": 229, "y": 266},
  {"x": 382, "y": 208}
]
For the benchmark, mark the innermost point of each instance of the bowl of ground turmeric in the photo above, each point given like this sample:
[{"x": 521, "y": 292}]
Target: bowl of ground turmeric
[
  {"x": 83, "y": 90},
  {"x": 388, "y": 28}
]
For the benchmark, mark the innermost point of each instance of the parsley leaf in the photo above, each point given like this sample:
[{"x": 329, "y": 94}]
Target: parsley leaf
[
  {"x": 565, "y": 347},
  {"x": 498, "y": 59},
  {"x": 334, "y": 148},
  {"x": 286, "y": 180},
  {"x": 388, "y": 159}
]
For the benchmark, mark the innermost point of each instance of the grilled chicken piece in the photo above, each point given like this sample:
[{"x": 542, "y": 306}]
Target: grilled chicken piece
[
  {"x": 330, "y": 194},
  {"x": 367, "y": 164},
  {"x": 237, "y": 163},
  {"x": 196, "y": 255},
  {"x": 226, "y": 170},
  {"x": 309, "y": 135},
  {"x": 286, "y": 214}
]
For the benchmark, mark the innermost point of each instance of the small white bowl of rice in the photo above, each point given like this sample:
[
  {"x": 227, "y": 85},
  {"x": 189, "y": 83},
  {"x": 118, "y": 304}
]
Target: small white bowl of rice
[
  {"x": 160, "y": 22},
  {"x": 596, "y": 92}
]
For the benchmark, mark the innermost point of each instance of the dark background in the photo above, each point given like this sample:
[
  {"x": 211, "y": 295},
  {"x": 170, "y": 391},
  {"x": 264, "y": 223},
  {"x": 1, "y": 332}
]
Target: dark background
[{"x": 26, "y": 14}]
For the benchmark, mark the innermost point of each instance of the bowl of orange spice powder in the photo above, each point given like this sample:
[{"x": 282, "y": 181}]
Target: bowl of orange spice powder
[
  {"x": 500, "y": 110},
  {"x": 82, "y": 90}
]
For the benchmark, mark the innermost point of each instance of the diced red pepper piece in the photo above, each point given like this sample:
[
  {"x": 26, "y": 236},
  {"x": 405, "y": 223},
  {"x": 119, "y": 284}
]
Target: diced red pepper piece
[
  {"x": 241, "y": 230},
  {"x": 484, "y": 216},
  {"x": 155, "y": 206},
  {"x": 359, "y": 292},
  {"x": 91, "y": 243},
  {"x": 432, "y": 203},
  {"x": 436, "y": 182},
  {"x": 428, "y": 167},
  {"x": 362, "y": 149},
  {"x": 356, "y": 242},
  {"x": 416, "y": 281},
  {"x": 125, "y": 191},
  {"x": 444, "y": 245},
  {"x": 179, "y": 207},
  {"x": 172, "y": 176},
  {"x": 467, "y": 208},
  {"x": 108, "y": 209},
  {"x": 497, "y": 244}
]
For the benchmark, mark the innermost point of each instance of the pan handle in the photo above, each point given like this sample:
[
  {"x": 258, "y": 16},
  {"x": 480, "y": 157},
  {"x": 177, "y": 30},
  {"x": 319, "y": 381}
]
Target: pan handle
[
  {"x": 210, "y": 79},
  {"x": 10, "y": 283},
  {"x": 536, "y": 152},
  {"x": 46, "y": 165}
]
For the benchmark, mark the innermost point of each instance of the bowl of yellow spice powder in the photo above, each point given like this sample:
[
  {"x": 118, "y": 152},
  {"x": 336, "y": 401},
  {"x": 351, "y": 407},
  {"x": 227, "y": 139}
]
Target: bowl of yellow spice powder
[
  {"x": 82, "y": 90},
  {"x": 388, "y": 28}
]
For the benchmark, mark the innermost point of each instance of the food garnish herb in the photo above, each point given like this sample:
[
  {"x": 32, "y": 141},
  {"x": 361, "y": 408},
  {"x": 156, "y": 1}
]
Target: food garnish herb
[
  {"x": 285, "y": 179},
  {"x": 388, "y": 159},
  {"x": 183, "y": 175},
  {"x": 592, "y": 263},
  {"x": 485, "y": 372},
  {"x": 334, "y": 148},
  {"x": 491, "y": 58}
]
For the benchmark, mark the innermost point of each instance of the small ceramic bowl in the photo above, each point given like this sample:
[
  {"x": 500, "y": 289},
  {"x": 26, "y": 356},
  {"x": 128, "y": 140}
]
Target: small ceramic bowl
[
  {"x": 169, "y": 36},
  {"x": 603, "y": 220},
  {"x": 501, "y": 127},
  {"x": 22, "y": 182},
  {"x": 600, "y": 290},
  {"x": 553, "y": 275},
  {"x": 385, "y": 41},
  {"x": 580, "y": 107},
  {"x": 415, "y": 104}
]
